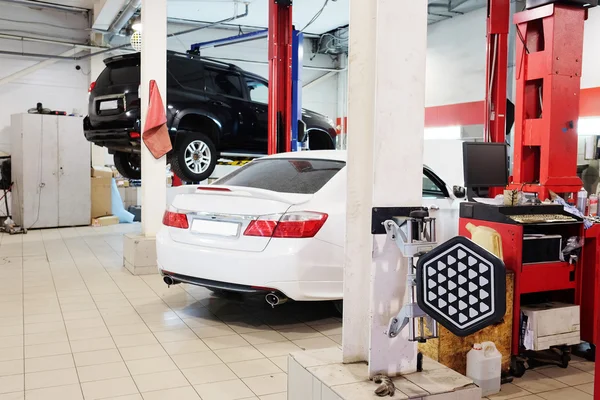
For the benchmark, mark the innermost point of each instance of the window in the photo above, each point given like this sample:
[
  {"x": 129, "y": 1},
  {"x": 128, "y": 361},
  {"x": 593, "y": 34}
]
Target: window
[
  {"x": 259, "y": 92},
  {"x": 301, "y": 176},
  {"x": 223, "y": 82},
  {"x": 431, "y": 189},
  {"x": 187, "y": 73}
]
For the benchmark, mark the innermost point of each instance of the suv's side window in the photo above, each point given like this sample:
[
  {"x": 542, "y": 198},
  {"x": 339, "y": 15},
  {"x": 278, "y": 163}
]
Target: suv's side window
[
  {"x": 259, "y": 92},
  {"x": 223, "y": 82},
  {"x": 187, "y": 73}
]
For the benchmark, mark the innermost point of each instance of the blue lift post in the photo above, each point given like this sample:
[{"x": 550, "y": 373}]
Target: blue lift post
[{"x": 297, "y": 62}]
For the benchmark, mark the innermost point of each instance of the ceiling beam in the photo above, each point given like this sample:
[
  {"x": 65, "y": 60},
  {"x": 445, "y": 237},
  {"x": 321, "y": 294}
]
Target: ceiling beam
[{"x": 46, "y": 5}]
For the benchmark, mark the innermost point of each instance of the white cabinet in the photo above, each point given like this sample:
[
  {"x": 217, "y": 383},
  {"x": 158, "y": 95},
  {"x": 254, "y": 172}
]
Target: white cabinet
[{"x": 50, "y": 171}]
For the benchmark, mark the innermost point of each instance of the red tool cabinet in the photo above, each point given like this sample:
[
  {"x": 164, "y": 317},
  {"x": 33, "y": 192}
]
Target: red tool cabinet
[{"x": 529, "y": 278}]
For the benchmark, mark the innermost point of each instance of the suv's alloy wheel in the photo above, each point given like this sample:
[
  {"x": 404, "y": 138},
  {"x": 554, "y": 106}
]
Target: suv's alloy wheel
[{"x": 195, "y": 156}]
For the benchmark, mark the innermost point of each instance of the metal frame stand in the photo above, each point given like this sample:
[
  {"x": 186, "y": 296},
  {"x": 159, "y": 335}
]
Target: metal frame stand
[{"x": 415, "y": 235}]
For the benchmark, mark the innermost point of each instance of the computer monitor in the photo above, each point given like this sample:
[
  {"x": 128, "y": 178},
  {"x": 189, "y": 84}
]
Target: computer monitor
[{"x": 485, "y": 164}]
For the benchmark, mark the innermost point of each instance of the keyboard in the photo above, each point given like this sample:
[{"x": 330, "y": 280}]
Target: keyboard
[{"x": 541, "y": 218}]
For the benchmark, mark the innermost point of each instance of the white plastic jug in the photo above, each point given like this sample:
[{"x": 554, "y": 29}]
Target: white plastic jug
[{"x": 484, "y": 366}]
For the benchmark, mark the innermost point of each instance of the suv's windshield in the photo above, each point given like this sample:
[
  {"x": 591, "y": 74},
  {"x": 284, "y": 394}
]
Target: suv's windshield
[{"x": 300, "y": 176}]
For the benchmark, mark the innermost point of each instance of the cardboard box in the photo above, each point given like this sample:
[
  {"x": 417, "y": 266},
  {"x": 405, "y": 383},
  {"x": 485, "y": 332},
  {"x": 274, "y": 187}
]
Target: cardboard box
[
  {"x": 102, "y": 172},
  {"x": 101, "y": 197},
  {"x": 105, "y": 221},
  {"x": 129, "y": 195}
]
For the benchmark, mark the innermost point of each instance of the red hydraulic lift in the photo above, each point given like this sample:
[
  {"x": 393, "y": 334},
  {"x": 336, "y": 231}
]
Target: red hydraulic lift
[
  {"x": 280, "y": 76},
  {"x": 496, "y": 74},
  {"x": 496, "y": 71}
]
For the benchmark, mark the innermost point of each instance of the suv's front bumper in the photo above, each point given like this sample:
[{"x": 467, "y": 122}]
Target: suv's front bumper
[{"x": 117, "y": 139}]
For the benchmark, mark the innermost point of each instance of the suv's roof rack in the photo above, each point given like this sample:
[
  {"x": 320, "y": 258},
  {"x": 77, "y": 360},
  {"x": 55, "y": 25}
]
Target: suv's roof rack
[
  {"x": 176, "y": 54},
  {"x": 196, "y": 55}
]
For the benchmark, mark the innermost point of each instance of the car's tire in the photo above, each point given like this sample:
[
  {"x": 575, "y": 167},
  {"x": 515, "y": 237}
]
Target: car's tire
[
  {"x": 128, "y": 165},
  {"x": 195, "y": 156}
]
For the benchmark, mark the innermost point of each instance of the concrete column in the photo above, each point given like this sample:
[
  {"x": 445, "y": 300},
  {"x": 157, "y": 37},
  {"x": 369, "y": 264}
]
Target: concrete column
[
  {"x": 153, "y": 66},
  {"x": 388, "y": 43},
  {"x": 139, "y": 251}
]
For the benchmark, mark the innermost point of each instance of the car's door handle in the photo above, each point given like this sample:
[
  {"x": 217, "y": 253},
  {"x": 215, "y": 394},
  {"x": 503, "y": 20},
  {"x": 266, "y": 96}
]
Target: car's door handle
[
  {"x": 434, "y": 207},
  {"x": 218, "y": 103},
  {"x": 259, "y": 111}
]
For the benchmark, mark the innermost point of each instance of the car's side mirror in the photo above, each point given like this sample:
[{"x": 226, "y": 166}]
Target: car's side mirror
[
  {"x": 301, "y": 131},
  {"x": 459, "y": 192}
]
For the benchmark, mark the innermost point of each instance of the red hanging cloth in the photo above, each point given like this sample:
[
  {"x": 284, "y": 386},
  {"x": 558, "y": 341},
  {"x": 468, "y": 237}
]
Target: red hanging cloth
[{"x": 156, "y": 134}]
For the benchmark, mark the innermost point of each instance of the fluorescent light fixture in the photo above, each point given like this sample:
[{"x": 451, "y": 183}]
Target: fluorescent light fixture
[
  {"x": 589, "y": 126},
  {"x": 443, "y": 133}
]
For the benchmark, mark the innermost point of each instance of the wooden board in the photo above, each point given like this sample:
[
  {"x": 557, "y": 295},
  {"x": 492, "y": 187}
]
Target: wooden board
[{"x": 451, "y": 350}]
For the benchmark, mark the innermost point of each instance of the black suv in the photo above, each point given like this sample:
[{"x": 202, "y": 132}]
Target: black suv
[{"x": 213, "y": 108}]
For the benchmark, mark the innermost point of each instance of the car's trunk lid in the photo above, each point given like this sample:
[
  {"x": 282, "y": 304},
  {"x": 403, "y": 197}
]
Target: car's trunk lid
[{"x": 219, "y": 215}]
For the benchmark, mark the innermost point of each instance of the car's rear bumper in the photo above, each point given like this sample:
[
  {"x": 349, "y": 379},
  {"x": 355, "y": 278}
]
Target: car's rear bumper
[{"x": 305, "y": 270}]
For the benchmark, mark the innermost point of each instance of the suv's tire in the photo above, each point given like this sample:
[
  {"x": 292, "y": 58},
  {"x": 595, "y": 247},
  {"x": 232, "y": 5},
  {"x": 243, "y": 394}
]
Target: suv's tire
[
  {"x": 195, "y": 156},
  {"x": 128, "y": 165}
]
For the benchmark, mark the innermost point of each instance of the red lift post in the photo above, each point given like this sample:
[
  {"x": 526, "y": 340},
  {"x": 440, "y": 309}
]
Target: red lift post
[
  {"x": 496, "y": 71},
  {"x": 496, "y": 74},
  {"x": 548, "y": 74},
  {"x": 280, "y": 76}
]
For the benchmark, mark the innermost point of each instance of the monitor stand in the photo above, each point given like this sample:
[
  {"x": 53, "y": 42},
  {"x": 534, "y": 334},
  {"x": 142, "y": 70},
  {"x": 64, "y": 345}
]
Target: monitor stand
[{"x": 473, "y": 192}]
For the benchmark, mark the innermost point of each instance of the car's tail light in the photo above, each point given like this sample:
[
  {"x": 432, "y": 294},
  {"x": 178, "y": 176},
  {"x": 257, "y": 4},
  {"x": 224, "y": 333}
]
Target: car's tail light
[
  {"x": 301, "y": 224},
  {"x": 135, "y": 135},
  {"x": 92, "y": 86},
  {"x": 175, "y": 220}
]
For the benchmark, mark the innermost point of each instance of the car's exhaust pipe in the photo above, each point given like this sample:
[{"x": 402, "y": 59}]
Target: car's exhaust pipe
[
  {"x": 275, "y": 299},
  {"x": 169, "y": 281}
]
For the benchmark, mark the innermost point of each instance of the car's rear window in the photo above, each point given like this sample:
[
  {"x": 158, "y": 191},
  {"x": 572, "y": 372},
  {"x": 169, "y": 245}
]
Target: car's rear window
[
  {"x": 120, "y": 73},
  {"x": 300, "y": 176}
]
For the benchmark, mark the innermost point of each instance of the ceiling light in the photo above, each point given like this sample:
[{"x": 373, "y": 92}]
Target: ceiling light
[{"x": 136, "y": 25}]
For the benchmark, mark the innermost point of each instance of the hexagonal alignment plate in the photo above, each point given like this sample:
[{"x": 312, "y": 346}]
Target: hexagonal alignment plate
[{"x": 462, "y": 286}]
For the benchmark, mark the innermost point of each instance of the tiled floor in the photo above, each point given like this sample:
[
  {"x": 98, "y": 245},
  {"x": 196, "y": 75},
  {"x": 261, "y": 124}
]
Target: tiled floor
[{"x": 74, "y": 324}]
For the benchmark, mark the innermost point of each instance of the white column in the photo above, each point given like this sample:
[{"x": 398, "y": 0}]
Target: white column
[
  {"x": 153, "y": 66},
  {"x": 388, "y": 42}
]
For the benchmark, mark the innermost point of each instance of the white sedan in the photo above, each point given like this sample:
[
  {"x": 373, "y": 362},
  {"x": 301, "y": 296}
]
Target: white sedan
[{"x": 276, "y": 226}]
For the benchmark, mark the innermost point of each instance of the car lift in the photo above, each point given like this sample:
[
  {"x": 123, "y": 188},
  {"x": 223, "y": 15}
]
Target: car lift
[
  {"x": 548, "y": 74},
  {"x": 286, "y": 49}
]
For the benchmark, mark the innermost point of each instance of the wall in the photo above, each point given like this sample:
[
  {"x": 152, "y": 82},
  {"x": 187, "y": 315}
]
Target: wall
[{"x": 58, "y": 86}]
